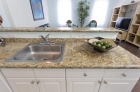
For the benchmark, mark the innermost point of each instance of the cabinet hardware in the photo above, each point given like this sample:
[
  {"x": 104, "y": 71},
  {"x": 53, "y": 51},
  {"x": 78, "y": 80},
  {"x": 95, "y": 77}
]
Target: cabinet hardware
[
  {"x": 38, "y": 82},
  {"x": 32, "y": 82},
  {"x": 105, "y": 82},
  {"x": 124, "y": 75},
  {"x": 99, "y": 82},
  {"x": 85, "y": 74}
]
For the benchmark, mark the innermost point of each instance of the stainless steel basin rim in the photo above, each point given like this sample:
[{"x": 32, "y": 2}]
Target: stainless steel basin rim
[{"x": 38, "y": 53}]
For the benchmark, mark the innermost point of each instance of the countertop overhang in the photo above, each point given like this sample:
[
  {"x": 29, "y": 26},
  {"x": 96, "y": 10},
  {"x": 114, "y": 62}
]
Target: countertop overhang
[{"x": 63, "y": 29}]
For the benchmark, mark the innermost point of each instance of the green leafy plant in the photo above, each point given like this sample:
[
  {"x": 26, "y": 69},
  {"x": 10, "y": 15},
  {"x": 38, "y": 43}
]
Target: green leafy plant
[{"x": 83, "y": 11}]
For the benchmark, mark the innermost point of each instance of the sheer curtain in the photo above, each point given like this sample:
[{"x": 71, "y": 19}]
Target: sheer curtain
[
  {"x": 99, "y": 12},
  {"x": 64, "y": 12}
]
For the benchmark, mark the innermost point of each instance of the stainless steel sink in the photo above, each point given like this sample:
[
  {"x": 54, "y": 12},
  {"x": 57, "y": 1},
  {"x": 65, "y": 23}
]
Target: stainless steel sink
[{"x": 37, "y": 53}]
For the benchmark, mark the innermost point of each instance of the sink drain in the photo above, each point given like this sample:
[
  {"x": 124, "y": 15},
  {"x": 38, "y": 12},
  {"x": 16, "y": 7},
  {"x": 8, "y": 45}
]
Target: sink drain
[{"x": 44, "y": 59}]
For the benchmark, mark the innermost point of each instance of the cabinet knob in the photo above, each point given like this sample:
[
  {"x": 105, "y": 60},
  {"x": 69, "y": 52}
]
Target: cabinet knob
[
  {"x": 124, "y": 75},
  {"x": 85, "y": 74},
  {"x": 99, "y": 82},
  {"x": 32, "y": 82},
  {"x": 105, "y": 82},
  {"x": 38, "y": 82}
]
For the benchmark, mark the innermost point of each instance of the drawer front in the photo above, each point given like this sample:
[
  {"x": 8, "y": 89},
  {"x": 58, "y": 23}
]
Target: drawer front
[
  {"x": 122, "y": 73},
  {"x": 18, "y": 73},
  {"x": 49, "y": 73},
  {"x": 84, "y": 73}
]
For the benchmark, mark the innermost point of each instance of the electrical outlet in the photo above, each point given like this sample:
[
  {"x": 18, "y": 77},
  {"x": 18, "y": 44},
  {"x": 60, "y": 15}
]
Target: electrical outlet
[
  {"x": 73, "y": 36},
  {"x": 82, "y": 36},
  {"x": 11, "y": 36}
]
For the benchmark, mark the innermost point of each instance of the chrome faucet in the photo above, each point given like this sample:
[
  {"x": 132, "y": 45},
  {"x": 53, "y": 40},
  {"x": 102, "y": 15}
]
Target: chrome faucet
[{"x": 46, "y": 39}]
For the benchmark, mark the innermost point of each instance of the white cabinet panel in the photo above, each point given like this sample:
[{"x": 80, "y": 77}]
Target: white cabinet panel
[
  {"x": 51, "y": 84},
  {"x": 4, "y": 86},
  {"x": 18, "y": 73},
  {"x": 49, "y": 73},
  {"x": 23, "y": 84},
  {"x": 82, "y": 73},
  {"x": 118, "y": 84},
  {"x": 119, "y": 73},
  {"x": 83, "y": 84}
]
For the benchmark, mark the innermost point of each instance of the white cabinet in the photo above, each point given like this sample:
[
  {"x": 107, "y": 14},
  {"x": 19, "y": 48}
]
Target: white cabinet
[
  {"x": 84, "y": 80},
  {"x": 50, "y": 80},
  {"x": 23, "y": 84},
  {"x": 119, "y": 80},
  {"x": 97, "y": 80},
  {"x": 51, "y": 84},
  {"x": 74, "y": 80},
  {"x": 36, "y": 80},
  {"x": 118, "y": 84},
  {"x": 21, "y": 80},
  {"x": 83, "y": 84},
  {"x": 4, "y": 86}
]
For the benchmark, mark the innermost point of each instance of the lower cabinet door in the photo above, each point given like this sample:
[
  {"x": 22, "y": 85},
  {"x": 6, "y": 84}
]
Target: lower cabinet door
[
  {"x": 51, "y": 84},
  {"x": 83, "y": 84},
  {"x": 23, "y": 84},
  {"x": 118, "y": 84}
]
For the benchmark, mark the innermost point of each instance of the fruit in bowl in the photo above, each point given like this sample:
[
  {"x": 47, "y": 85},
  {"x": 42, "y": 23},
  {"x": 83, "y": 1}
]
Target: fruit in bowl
[{"x": 102, "y": 44}]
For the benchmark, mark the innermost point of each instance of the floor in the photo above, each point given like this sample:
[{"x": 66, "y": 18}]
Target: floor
[
  {"x": 137, "y": 87},
  {"x": 134, "y": 50},
  {"x": 131, "y": 48}
]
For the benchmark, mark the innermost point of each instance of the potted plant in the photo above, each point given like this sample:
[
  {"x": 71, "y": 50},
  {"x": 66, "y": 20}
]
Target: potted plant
[{"x": 83, "y": 11}]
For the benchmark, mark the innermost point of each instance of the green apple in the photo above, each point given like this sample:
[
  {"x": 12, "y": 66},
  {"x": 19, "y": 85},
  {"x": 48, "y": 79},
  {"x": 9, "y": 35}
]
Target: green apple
[
  {"x": 107, "y": 45},
  {"x": 103, "y": 47},
  {"x": 99, "y": 45}
]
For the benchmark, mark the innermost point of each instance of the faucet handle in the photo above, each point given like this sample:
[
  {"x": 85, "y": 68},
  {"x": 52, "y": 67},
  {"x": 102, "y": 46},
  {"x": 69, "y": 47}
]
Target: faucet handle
[
  {"x": 47, "y": 36},
  {"x": 40, "y": 35}
]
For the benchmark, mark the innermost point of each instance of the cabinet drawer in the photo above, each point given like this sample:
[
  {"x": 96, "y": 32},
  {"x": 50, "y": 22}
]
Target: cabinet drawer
[
  {"x": 84, "y": 73},
  {"x": 18, "y": 73},
  {"x": 121, "y": 73},
  {"x": 49, "y": 73}
]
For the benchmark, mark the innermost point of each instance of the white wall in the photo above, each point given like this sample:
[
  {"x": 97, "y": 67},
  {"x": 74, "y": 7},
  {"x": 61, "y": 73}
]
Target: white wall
[
  {"x": 122, "y": 2},
  {"x": 4, "y": 15},
  {"x": 21, "y": 13}
]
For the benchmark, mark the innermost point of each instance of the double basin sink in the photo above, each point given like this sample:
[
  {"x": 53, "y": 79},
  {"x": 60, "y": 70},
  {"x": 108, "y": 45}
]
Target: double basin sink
[{"x": 39, "y": 53}]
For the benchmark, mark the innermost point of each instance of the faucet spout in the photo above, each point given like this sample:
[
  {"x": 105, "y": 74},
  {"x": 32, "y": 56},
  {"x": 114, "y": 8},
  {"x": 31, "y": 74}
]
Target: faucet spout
[{"x": 46, "y": 38}]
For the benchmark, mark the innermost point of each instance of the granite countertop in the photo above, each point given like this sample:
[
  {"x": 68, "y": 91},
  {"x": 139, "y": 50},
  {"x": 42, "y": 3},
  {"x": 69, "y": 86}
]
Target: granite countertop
[
  {"x": 59, "y": 30},
  {"x": 78, "y": 54}
]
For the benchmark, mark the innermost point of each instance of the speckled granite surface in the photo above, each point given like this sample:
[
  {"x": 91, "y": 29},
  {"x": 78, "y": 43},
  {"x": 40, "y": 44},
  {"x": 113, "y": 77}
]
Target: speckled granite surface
[
  {"x": 78, "y": 54},
  {"x": 59, "y": 30}
]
